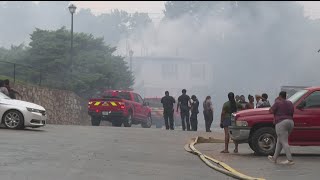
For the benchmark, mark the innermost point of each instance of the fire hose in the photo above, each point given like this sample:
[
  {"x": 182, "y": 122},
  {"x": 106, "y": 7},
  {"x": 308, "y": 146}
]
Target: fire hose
[{"x": 225, "y": 169}]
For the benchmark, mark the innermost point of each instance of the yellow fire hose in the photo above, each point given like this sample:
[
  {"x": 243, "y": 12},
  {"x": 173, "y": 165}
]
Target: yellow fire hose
[{"x": 207, "y": 160}]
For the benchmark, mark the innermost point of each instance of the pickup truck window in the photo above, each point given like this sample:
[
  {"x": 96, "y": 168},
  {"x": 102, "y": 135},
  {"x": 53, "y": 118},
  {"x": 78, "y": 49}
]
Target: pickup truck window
[
  {"x": 140, "y": 99},
  {"x": 154, "y": 103},
  {"x": 294, "y": 98},
  {"x": 313, "y": 100},
  {"x": 136, "y": 99},
  {"x": 124, "y": 95}
]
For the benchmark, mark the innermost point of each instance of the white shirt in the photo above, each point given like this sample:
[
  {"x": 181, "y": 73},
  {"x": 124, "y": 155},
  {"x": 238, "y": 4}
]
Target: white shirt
[{"x": 4, "y": 90}]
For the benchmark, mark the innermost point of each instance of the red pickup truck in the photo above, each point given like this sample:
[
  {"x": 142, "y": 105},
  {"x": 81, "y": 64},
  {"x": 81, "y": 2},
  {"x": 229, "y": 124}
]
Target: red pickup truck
[
  {"x": 256, "y": 127},
  {"x": 157, "y": 112},
  {"x": 120, "y": 107}
]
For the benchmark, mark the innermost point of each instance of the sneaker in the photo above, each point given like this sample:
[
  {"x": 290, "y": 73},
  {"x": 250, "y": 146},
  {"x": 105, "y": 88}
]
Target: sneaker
[
  {"x": 287, "y": 162},
  {"x": 271, "y": 159}
]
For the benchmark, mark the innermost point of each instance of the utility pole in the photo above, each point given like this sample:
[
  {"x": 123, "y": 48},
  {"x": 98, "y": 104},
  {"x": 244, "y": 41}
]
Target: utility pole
[
  {"x": 72, "y": 9},
  {"x": 131, "y": 54}
]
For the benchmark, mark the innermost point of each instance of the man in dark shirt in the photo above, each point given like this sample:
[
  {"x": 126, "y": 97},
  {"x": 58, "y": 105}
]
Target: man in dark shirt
[
  {"x": 183, "y": 103},
  {"x": 194, "y": 113},
  {"x": 168, "y": 110}
]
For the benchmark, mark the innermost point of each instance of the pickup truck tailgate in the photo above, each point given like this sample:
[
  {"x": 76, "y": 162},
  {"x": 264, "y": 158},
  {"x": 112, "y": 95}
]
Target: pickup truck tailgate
[{"x": 105, "y": 105}]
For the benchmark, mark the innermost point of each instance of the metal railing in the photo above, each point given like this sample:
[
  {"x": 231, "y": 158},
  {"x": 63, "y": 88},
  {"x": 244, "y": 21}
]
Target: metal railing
[{"x": 23, "y": 73}]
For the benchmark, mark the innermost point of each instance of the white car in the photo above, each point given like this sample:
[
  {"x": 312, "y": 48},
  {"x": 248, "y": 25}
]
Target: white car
[{"x": 16, "y": 114}]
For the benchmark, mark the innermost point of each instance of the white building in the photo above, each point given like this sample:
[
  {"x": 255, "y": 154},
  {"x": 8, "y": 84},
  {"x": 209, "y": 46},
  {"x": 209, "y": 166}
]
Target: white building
[{"x": 155, "y": 75}]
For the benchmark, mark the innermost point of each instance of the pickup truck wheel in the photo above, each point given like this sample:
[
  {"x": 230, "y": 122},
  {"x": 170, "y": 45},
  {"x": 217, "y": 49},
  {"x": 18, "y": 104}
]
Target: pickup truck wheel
[
  {"x": 148, "y": 123},
  {"x": 95, "y": 121},
  {"x": 264, "y": 141},
  {"x": 250, "y": 145},
  {"x": 128, "y": 121}
]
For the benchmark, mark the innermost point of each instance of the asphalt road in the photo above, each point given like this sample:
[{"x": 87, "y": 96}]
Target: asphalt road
[{"x": 94, "y": 153}]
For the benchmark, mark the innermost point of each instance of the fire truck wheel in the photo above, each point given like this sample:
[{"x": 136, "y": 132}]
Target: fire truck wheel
[
  {"x": 128, "y": 121},
  {"x": 95, "y": 121}
]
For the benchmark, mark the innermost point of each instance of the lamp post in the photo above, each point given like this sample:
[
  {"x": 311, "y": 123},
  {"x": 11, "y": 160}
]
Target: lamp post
[
  {"x": 72, "y": 9},
  {"x": 131, "y": 54}
]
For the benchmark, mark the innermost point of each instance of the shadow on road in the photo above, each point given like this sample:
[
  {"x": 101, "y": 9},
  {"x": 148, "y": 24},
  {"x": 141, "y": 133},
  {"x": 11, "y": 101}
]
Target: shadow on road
[
  {"x": 293, "y": 154},
  {"x": 305, "y": 155},
  {"x": 19, "y": 130}
]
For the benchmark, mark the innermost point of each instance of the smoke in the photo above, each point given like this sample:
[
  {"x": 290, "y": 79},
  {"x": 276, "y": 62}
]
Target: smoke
[{"x": 252, "y": 51}]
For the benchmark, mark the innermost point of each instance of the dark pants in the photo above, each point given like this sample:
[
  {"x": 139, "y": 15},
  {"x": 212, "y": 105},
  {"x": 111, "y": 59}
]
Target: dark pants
[
  {"x": 208, "y": 118},
  {"x": 168, "y": 116},
  {"x": 194, "y": 121},
  {"x": 185, "y": 115}
]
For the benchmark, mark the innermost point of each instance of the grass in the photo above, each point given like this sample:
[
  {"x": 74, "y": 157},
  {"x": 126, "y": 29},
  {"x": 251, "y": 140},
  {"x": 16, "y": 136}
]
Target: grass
[{"x": 12, "y": 80}]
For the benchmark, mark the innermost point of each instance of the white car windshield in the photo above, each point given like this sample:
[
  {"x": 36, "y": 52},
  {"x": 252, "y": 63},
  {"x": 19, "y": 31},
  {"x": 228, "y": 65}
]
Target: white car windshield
[
  {"x": 3, "y": 96},
  {"x": 294, "y": 98}
]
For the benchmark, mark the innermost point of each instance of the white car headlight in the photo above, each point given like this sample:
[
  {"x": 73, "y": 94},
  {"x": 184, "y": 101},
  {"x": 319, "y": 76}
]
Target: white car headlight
[
  {"x": 241, "y": 123},
  {"x": 34, "y": 110}
]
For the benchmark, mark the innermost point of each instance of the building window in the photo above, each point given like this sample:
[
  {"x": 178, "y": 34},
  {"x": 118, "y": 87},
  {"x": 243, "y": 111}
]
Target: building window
[
  {"x": 169, "y": 71},
  {"x": 198, "y": 71}
]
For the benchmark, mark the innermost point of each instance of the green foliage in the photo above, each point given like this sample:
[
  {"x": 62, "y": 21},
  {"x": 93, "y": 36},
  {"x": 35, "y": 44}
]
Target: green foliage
[{"x": 94, "y": 65}]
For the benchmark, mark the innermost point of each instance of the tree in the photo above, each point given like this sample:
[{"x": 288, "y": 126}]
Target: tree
[{"x": 95, "y": 66}]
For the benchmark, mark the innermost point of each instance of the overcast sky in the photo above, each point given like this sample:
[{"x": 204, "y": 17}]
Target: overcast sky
[{"x": 155, "y": 8}]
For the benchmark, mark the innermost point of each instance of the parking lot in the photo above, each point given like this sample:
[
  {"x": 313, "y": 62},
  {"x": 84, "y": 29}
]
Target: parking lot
[{"x": 86, "y": 152}]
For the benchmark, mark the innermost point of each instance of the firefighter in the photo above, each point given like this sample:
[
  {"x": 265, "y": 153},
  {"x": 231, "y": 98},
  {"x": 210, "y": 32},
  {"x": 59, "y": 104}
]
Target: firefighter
[
  {"x": 183, "y": 102},
  {"x": 168, "y": 110},
  {"x": 194, "y": 113}
]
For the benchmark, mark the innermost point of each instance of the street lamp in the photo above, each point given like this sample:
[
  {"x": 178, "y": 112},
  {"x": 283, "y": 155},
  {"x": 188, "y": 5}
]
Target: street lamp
[
  {"x": 72, "y": 9},
  {"x": 131, "y": 54}
]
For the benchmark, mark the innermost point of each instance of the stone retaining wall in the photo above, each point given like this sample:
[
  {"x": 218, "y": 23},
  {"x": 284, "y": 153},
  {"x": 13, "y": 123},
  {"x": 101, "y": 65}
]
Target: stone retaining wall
[{"x": 63, "y": 107}]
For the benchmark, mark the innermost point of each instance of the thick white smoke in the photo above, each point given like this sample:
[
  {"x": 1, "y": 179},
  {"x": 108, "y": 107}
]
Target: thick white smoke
[{"x": 251, "y": 54}]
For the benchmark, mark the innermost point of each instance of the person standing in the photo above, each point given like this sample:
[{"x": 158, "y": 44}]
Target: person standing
[
  {"x": 208, "y": 113},
  {"x": 250, "y": 104},
  {"x": 3, "y": 89},
  {"x": 265, "y": 102},
  {"x": 237, "y": 98},
  {"x": 168, "y": 110},
  {"x": 243, "y": 101},
  {"x": 283, "y": 119},
  {"x": 229, "y": 107},
  {"x": 194, "y": 113},
  {"x": 259, "y": 101},
  {"x": 183, "y": 103},
  {"x": 12, "y": 92}
]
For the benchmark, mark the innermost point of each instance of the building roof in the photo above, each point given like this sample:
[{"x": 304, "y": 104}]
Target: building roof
[{"x": 164, "y": 58}]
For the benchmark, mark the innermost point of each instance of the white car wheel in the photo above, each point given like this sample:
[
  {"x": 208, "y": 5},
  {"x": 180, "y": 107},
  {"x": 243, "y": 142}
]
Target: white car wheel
[{"x": 13, "y": 119}]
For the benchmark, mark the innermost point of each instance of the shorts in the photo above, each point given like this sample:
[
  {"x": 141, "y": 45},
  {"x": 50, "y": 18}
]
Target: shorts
[{"x": 226, "y": 122}]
